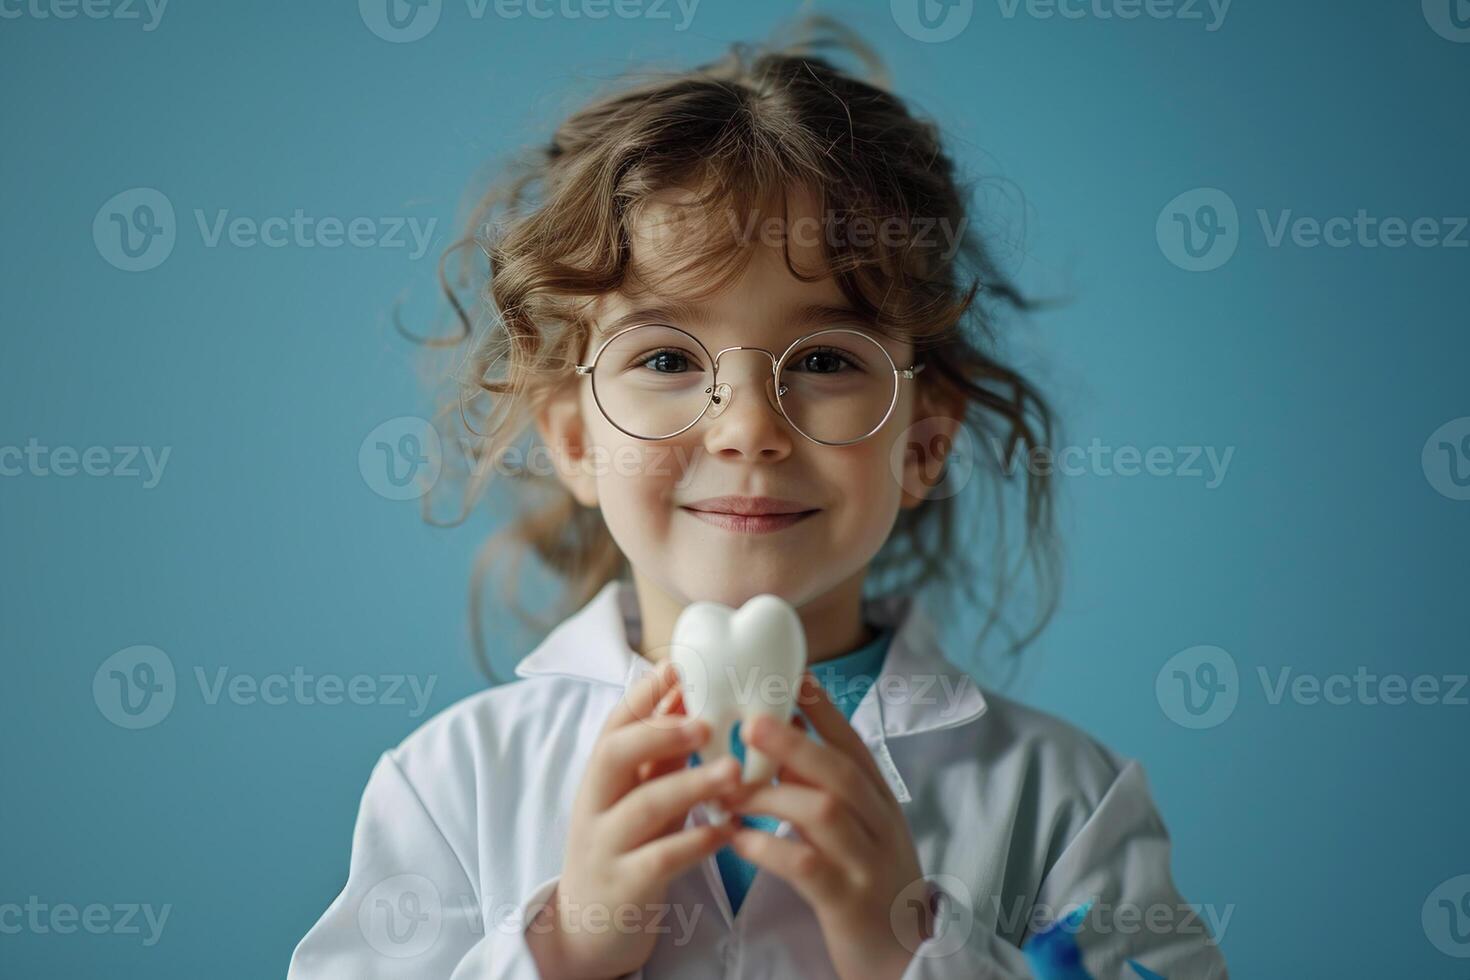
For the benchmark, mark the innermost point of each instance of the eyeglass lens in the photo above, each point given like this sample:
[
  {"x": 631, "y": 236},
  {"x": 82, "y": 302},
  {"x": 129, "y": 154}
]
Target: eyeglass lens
[{"x": 654, "y": 381}]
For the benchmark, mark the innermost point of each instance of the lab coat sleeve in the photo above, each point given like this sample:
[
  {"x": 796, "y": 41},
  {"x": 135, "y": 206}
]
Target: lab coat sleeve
[
  {"x": 1119, "y": 861},
  {"x": 409, "y": 908}
]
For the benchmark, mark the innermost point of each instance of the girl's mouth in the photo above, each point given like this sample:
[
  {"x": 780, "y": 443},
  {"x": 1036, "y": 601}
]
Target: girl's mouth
[{"x": 749, "y": 523}]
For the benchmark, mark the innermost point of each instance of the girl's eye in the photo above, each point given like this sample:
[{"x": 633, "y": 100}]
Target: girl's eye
[
  {"x": 666, "y": 361},
  {"x": 825, "y": 360}
]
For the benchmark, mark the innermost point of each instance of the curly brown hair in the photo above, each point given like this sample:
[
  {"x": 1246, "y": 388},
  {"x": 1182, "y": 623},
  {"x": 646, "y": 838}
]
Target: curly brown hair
[{"x": 743, "y": 131}]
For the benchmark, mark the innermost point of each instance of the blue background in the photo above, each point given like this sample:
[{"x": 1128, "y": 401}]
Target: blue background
[{"x": 264, "y": 548}]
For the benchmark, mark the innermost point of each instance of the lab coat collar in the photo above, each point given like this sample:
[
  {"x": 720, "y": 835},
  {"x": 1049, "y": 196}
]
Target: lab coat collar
[{"x": 918, "y": 689}]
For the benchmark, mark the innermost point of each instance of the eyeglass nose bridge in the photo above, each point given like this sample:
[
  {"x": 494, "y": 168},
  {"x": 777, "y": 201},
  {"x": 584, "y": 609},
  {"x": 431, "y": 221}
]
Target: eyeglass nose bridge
[{"x": 720, "y": 393}]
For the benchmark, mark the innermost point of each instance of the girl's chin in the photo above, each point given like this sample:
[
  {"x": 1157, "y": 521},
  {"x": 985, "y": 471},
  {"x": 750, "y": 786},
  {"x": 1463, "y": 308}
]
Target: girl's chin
[{"x": 736, "y": 588}]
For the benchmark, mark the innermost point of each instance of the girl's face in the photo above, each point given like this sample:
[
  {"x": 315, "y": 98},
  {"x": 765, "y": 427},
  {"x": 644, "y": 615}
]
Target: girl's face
[{"x": 651, "y": 492}]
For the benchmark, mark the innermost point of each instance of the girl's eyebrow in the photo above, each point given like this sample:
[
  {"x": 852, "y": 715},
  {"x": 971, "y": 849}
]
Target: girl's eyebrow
[{"x": 801, "y": 319}]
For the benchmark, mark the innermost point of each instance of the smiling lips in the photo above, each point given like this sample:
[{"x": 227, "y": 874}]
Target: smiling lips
[{"x": 756, "y": 515}]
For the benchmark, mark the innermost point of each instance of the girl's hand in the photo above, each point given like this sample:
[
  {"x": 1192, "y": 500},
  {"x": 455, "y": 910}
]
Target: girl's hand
[
  {"x": 856, "y": 858},
  {"x": 626, "y": 838}
]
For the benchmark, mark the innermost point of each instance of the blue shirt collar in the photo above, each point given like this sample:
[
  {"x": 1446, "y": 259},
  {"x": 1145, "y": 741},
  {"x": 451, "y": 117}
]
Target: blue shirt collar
[{"x": 848, "y": 676}]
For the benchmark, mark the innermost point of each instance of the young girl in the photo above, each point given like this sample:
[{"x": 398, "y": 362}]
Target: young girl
[{"x": 743, "y": 310}]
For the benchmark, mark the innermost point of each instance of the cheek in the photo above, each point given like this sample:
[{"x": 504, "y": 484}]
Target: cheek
[
  {"x": 638, "y": 483},
  {"x": 636, "y": 487},
  {"x": 636, "y": 509},
  {"x": 868, "y": 489}
]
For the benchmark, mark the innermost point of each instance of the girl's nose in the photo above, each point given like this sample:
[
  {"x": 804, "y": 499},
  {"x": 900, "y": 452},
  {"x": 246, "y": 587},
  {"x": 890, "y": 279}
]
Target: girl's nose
[
  {"x": 745, "y": 417},
  {"x": 724, "y": 393}
]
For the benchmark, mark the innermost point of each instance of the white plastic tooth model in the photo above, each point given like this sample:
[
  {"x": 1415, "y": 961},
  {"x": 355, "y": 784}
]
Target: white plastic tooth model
[{"x": 734, "y": 665}]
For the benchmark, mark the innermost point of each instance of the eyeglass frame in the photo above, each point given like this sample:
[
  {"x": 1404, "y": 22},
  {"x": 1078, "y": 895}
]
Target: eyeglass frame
[{"x": 905, "y": 374}]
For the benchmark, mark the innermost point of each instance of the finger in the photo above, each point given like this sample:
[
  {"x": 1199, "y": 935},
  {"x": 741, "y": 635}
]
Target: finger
[
  {"x": 672, "y": 705},
  {"x": 646, "y": 811},
  {"x": 825, "y": 822},
  {"x": 675, "y": 699},
  {"x": 670, "y": 708},
  {"x": 641, "y": 697},
  {"x": 784, "y": 774},
  {"x": 800, "y": 864},
  {"x": 816, "y": 765},
  {"x": 835, "y": 729},
  {"x": 668, "y": 857},
  {"x": 613, "y": 769}
]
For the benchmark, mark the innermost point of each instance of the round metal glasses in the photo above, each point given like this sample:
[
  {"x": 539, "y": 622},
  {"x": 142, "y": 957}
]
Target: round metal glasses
[{"x": 836, "y": 386}]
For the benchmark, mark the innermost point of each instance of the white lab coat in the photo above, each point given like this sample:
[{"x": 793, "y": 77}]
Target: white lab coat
[{"x": 1016, "y": 816}]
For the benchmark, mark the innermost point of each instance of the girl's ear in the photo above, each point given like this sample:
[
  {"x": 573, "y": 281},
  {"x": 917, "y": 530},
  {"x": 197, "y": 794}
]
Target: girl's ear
[
  {"x": 928, "y": 442},
  {"x": 560, "y": 423}
]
